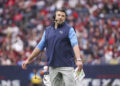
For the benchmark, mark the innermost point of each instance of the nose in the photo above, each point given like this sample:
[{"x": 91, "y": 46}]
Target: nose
[{"x": 60, "y": 17}]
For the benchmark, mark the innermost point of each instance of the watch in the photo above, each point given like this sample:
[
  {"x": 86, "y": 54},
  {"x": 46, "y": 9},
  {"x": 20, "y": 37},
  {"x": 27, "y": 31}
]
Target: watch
[{"x": 79, "y": 59}]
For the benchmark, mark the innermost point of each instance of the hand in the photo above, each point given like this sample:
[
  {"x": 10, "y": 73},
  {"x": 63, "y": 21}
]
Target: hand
[
  {"x": 79, "y": 65},
  {"x": 24, "y": 64}
]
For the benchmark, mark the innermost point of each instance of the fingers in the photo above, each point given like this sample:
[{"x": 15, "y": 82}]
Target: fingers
[
  {"x": 79, "y": 65},
  {"x": 79, "y": 68},
  {"x": 24, "y": 66}
]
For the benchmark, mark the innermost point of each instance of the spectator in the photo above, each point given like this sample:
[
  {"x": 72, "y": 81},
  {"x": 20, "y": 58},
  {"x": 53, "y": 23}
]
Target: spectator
[{"x": 96, "y": 21}]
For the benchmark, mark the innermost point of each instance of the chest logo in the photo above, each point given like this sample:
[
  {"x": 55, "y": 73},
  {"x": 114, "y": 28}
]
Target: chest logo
[{"x": 61, "y": 32}]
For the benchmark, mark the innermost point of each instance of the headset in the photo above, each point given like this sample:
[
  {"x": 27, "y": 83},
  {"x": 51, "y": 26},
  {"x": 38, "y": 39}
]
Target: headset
[{"x": 62, "y": 10}]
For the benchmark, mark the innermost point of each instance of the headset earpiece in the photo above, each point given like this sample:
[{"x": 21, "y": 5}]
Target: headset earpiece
[{"x": 53, "y": 17}]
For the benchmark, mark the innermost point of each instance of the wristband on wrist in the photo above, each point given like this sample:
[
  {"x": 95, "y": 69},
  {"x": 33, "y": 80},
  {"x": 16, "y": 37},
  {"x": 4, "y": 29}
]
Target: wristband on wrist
[{"x": 79, "y": 59}]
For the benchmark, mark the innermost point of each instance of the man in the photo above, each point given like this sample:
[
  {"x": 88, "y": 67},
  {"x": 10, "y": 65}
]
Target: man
[{"x": 61, "y": 47}]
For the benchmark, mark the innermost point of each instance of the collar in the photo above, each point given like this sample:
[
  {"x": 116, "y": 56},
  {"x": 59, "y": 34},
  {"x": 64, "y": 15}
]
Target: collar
[{"x": 59, "y": 25}]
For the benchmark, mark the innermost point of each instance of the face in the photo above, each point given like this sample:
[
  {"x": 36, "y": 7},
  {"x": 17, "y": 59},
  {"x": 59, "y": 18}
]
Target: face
[{"x": 60, "y": 17}]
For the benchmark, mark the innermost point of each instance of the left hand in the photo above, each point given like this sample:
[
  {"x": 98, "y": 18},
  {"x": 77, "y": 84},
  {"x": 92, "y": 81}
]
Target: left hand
[{"x": 79, "y": 65}]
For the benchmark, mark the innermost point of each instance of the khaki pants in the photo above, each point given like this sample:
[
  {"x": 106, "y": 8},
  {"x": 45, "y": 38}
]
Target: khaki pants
[{"x": 62, "y": 76}]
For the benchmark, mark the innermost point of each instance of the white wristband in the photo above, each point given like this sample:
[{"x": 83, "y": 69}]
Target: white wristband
[{"x": 79, "y": 59}]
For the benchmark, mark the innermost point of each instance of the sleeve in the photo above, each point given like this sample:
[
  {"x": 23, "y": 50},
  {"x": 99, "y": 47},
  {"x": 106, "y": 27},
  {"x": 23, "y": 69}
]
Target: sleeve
[
  {"x": 41, "y": 44},
  {"x": 73, "y": 37}
]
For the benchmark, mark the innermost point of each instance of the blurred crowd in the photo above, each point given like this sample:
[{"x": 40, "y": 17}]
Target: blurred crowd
[{"x": 97, "y": 25}]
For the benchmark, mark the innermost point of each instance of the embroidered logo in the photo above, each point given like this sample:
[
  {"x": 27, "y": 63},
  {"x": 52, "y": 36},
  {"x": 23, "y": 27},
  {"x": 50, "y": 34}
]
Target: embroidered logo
[{"x": 61, "y": 32}]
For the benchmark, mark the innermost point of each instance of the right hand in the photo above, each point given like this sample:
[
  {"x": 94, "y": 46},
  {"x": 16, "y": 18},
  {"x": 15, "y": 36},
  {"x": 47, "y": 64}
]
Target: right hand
[
  {"x": 24, "y": 64},
  {"x": 79, "y": 65}
]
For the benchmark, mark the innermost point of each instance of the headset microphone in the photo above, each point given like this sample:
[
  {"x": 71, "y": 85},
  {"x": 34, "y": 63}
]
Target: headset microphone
[{"x": 55, "y": 20}]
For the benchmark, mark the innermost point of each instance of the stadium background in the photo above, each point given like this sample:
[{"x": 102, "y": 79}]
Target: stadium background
[{"x": 97, "y": 25}]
